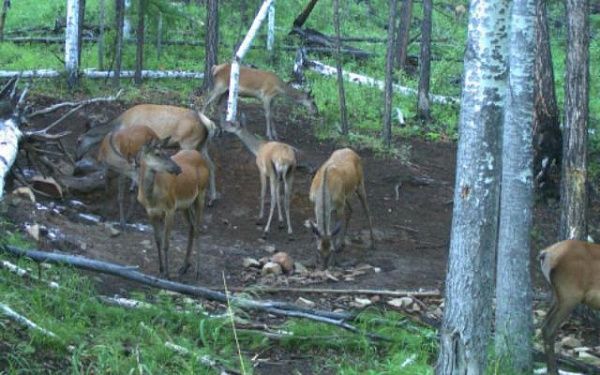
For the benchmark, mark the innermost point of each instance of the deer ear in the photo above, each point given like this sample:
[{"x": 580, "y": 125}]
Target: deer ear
[{"x": 337, "y": 228}]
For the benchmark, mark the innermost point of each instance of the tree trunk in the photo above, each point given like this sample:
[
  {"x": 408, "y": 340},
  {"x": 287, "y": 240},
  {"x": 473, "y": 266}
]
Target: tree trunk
[
  {"x": 81, "y": 21},
  {"x": 466, "y": 326},
  {"x": 5, "y": 6},
  {"x": 119, "y": 18},
  {"x": 71, "y": 42},
  {"x": 425, "y": 62},
  {"x": 514, "y": 315},
  {"x": 102, "y": 16},
  {"x": 126, "y": 22},
  {"x": 389, "y": 70},
  {"x": 302, "y": 17},
  {"x": 159, "y": 33},
  {"x": 403, "y": 33},
  {"x": 547, "y": 137},
  {"x": 139, "y": 51},
  {"x": 271, "y": 30},
  {"x": 338, "y": 64},
  {"x": 573, "y": 194},
  {"x": 211, "y": 42}
]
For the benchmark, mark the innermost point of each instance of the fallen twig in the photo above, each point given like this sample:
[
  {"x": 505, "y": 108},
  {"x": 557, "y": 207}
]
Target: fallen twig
[
  {"x": 391, "y": 293},
  {"x": 24, "y": 321}
]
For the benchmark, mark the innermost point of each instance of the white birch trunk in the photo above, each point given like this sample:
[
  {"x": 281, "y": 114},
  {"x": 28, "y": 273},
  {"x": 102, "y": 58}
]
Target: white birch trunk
[
  {"x": 271, "y": 28},
  {"x": 9, "y": 135},
  {"x": 329, "y": 70},
  {"x": 514, "y": 315},
  {"x": 239, "y": 55},
  {"x": 467, "y": 322},
  {"x": 126, "y": 20},
  {"x": 71, "y": 42}
]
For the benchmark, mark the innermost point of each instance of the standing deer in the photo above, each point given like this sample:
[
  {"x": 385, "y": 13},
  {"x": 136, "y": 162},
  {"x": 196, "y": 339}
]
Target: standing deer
[
  {"x": 167, "y": 184},
  {"x": 258, "y": 84},
  {"x": 274, "y": 160},
  {"x": 339, "y": 177},
  {"x": 573, "y": 270},
  {"x": 186, "y": 127}
]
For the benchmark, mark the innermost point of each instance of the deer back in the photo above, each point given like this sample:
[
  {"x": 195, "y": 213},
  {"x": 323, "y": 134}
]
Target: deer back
[
  {"x": 345, "y": 174},
  {"x": 120, "y": 147},
  {"x": 276, "y": 155}
]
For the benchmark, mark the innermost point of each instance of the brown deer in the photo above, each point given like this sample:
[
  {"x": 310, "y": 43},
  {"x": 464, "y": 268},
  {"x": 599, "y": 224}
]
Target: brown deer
[
  {"x": 572, "y": 268},
  {"x": 335, "y": 181},
  {"x": 186, "y": 127},
  {"x": 258, "y": 84},
  {"x": 274, "y": 160},
  {"x": 167, "y": 184}
]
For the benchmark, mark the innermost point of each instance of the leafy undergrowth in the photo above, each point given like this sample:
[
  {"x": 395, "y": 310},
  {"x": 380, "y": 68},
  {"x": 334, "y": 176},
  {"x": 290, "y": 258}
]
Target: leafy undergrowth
[{"x": 94, "y": 337}]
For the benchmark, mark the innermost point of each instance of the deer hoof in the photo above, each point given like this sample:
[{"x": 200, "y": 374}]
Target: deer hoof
[{"x": 281, "y": 226}]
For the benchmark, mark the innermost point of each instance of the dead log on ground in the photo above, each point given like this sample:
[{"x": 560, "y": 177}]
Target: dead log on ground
[
  {"x": 389, "y": 293},
  {"x": 24, "y": 321},
  {"x": 313, "y": 38}
]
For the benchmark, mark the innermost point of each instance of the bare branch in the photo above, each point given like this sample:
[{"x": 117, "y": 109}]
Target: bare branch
[{"x": 74, "y": 104}]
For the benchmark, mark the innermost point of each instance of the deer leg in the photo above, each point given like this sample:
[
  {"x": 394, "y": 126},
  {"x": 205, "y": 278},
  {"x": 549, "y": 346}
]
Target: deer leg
[
  {"x": 214, "y": 93},
  {"x": 278, "y": 195},
  {"x": 288, "y": 181},
  {"x": 168, "y": 223},
  {"x": 271, "y": 132},
  {"x": 156, "y": 226},
  {"x": 263, "y": 193},
  {"x": 273, "y": 181},
  {"x": 362, "y": 196},
  {"x": 211, "y": 173},
  {"x": 191, "y": 220},
  {"x": 559, "y": 311},
  {"x": 199, "y": 209},
  {"x": 341, "y": 241},
  {"x": 120, "y": 198}
]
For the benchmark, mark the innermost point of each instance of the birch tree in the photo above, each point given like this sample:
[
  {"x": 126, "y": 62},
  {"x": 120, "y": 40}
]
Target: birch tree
[
  {"x": 403, "y": 33},
  {"x": 71, "y": 42},
  {"x": 389, "y": 69},
  {"x": 425, "y": 62},
  {"x": 514, "y": 315},
  {"x": 573, "y": 193},
  {"x": 119, "y": 18},
  {"x": 467, "y": 321}
]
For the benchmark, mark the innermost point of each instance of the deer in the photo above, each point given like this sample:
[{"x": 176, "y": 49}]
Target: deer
[
  {"x": 276, "y": 161},
  {"x": 330, "y": 190},
  {"x": 572, "y": 268},
  {"x": 167, "y": 184},
  {"x": 190, "y": 129},
  {"x": 261, "y": 85}
]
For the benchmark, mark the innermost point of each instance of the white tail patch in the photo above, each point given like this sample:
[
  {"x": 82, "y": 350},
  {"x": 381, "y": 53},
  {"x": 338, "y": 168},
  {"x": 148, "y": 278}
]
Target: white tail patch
[{"x": 545, "y": 264}]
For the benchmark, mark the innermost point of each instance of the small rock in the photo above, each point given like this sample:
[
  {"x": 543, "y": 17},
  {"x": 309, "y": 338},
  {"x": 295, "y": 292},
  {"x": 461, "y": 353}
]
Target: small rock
[
  {"x": 271, "y": 268},
  {"x": 112, "y": 230},
  {"x": 146, "y": 243},
  {"x": 362, "y": 302},
  {"x": 415, "y": 307},
  {"x": 375, "y": 299},
  {"x": 270, "y": 249},
  {"x": 284, "y": 260},
  {"x": 400, "y": 302},
  {"x": 25, "y": 192},
  {"x": 34, "y": 231},
  {"x": 82, "y": 245},
  {"x": 251, "y": 262},
  {"x": 300, "y": 268},
  {"x": 570, "y": 342},
  {"x": 305, "y": 302}
]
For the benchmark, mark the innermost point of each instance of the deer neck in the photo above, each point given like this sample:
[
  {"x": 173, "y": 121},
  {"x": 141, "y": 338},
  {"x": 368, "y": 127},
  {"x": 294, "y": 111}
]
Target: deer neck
[
  {"x": 293, "y": 93},
  {"x": 323, "y": 207},
  {"x": 146, "y": 183},
  {"x": 249, "y": 140}
]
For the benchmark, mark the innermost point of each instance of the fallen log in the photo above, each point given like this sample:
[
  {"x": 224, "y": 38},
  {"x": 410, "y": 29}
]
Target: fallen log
[
  {"x": 389, "y": 293},
  {"x": 328, "y": 70},
  {"x": 24, "y": 321},
  {"x": 314, "y": 38},
  {"x": 339, "y": 319}
]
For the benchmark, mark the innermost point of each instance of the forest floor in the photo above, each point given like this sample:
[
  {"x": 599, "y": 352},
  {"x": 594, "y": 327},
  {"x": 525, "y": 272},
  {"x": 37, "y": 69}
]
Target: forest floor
[{"x": 412, "y": 233}]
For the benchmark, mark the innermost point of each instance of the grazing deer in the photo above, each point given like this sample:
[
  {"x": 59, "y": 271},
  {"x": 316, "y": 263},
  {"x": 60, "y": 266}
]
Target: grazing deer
[
  {"x": 118, "y": 151},
  {"x": 186, "y": 127},
  {"x": 339, "y": 177},
  {"x": 167, "y": 184},
  {"x": 258, "y": 84},
  {"x": 573, "y": 270},
  {"x": 274, "y": 160}
]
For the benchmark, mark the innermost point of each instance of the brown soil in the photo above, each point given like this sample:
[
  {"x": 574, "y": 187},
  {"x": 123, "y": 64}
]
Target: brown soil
[{"x": 412, "y": 233}]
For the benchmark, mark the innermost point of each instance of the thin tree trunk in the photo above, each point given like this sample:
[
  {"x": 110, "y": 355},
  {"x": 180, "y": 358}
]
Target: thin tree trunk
[
  {"x": 403, "y": 33},
  {"x": 389, "y": 70},
  {"x": 514, "y": 315},
  {"x": 271, "y": 30},
  {"x": 71, "y": 42},
  {"x": 81, "y": 22},
  {"x": 119, "y": 18},
  {"x": 467, "y": 322},
  {"x": 211, "y": 42},
  {"x": 425, "y": 62},
  {"x": 338, "y": 64},
  {"x": 126, "y": 22},
  {"x": 302, "y": 17},
  {"x": 159, "y": 33},
  {"x": 5, "y": 6},
  {"x": 102, "y": 16},
  {"x": 139, "y": 53},
  {"x": 573, "y": 197},
  {"x": 547, "y": 137}
]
